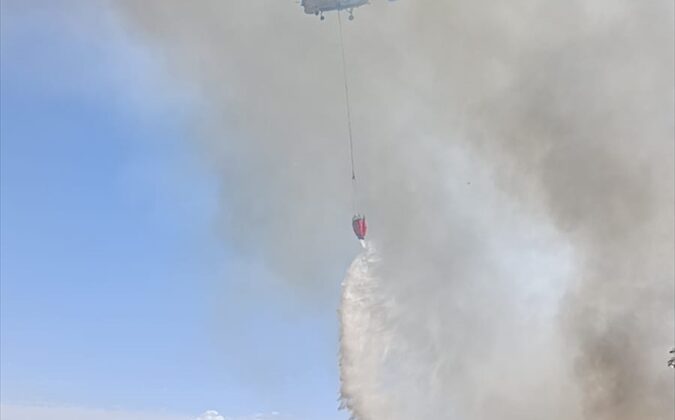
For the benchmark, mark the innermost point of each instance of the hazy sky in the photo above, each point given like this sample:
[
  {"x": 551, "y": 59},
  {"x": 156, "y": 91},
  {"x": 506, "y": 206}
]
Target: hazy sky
[
  {"x": 109, "y": 260},
  {"x": 176, "y": 206}
]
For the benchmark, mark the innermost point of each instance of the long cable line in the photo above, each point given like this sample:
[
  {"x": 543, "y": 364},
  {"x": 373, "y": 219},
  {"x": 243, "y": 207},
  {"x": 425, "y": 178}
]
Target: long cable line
[{"x": 349, "y": 112}]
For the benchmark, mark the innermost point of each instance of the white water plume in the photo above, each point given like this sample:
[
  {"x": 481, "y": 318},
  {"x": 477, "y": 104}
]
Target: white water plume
[{"x": 363, "y": 338}]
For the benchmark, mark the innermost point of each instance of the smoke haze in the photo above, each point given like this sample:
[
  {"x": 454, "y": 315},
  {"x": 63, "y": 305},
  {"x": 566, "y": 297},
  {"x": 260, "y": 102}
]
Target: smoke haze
[{"x": 516, "y": 164}]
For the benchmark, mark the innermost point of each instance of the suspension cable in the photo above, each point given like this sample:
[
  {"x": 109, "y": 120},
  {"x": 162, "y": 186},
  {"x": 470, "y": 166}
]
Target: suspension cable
[{"x": 349, "y": 112}]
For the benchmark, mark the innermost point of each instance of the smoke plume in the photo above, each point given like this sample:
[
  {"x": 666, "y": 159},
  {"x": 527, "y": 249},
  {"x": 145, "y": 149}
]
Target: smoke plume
[{"x": 515, "y": 161}]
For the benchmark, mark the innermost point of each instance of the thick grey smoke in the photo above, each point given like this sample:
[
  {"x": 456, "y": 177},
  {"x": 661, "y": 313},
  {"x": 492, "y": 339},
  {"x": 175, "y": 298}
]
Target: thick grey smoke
[{"x": 516, "y": 163}]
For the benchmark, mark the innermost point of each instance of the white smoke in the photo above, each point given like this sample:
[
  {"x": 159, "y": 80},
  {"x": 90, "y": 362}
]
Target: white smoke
[{"x": 399, "y": 361}]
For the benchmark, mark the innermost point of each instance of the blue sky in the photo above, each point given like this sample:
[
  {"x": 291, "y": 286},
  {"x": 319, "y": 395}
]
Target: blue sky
[{"x": 118, "y": 290}]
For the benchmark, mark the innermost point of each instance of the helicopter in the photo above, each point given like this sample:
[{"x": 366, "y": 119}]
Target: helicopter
[{"x": 318, "y": 7}]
